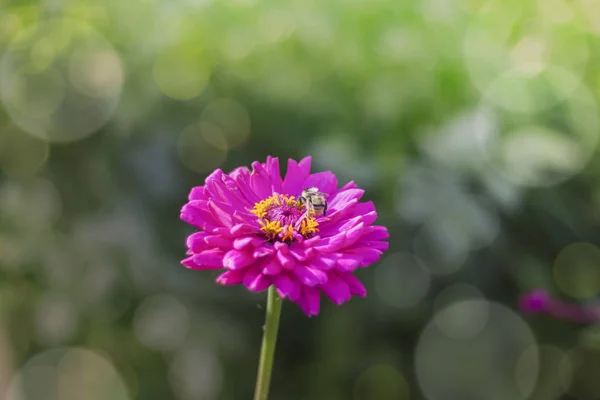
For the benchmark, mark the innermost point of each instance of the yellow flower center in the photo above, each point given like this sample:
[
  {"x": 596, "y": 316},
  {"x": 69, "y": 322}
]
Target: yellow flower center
[
  {"x": 308, "y": 226},
  {"x": 271, "y": 229},
  {"x": 281, "y": 216}
]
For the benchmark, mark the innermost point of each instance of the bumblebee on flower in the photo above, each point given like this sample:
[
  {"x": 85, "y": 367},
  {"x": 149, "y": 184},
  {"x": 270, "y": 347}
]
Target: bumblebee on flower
[{"x": 314, "y": 201}]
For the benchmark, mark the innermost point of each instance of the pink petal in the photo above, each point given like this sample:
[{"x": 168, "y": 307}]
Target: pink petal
[
  {"x": 336, "y": 289},
  {"x": 281, "y": 247},
  {"x": 242, "y": 229},
  {"x": 262, "y": 252},
  {"x": 215, "y": 175},
  {"x": 313, "y": 297},
  {"x": 369, "y": 218},
  {"x": 332, "y": 243},
  {"x": 272, "y": 268},
  {"x": 309, "y": 276},
  {"x": 342, "y": 198},
  {"x": 343, "y": 212},
  {"x": 225, "y": 232},
  {"x": 228, "y": 194},
  {"x": 210, "y": 259},
  {"x": 349, "y": 185},
  {"x": 189, "y": 263},
  {"x": 325, "y": 181},
  {"x": 376, "y": 233},
  {"x": 363, "y": 208},
  {"x": 348, "y": 262},
  {"x": 259, "y": 181},
  {"x": 241, "y": 176},
  {"x": 304, "y": 165},
  {"x": 288, "y": 287},
  {"x": 312, "y": 241},
  {"x": 272, "y": 167},
  {"x": 194, "y": 214},
  {"x": 295, "y": 176},
  {"x": 221, "y": 212},
  {"x": 235, "y": 259},
  {"x": 196, "y": 243},
  {"x": 232, "y": 277},
  {"x": 336, "y": 227},
  {"x": 351, "y": 223},
  {"x": 325, "y": 262},
  {"x": 255, "y": 281},
  {"x": 354, "y": 234},
  {"x": 309, "y": 301},
  {"x": 381, "y": 246},
  {"x": 356, "y": 286},
  {"x": 303, "y": 304},
  {"x": 369, "y": 255},
  {"x": 243, "y": 242},
  {"x": 197, "y": 193},
  {"x": 244, "y": 217},
  {"x": 303, "y": 254},
  {"x": 218, "y": 241},
  {"x": 286, "y": 260}
]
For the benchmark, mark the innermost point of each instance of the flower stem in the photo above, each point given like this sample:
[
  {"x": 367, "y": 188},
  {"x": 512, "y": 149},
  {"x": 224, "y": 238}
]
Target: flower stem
[{"x": 267, "y": 350}]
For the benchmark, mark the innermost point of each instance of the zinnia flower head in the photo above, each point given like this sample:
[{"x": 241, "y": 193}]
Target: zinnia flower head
[{"x": 254, "y": 228}]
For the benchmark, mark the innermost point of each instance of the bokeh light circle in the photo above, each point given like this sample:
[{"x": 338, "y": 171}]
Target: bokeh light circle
[
  {"x": 554, "y": 375},
  {"x": 455, "y": 293},
  {"x": 463, "y": 319},
  {"x": 480, "y": 364},
  {"x": 96, "y": 74},
  {"x": 381, "y": 382},
  {"x": 454, "y": 221},
  {"x": 441, "y": 258},
  {"x": 21, "y": 155},
  {"x": 195, "y": 373},
  {"x": 35, "y": 94},
  {"x": 238, "y": 44},
  {"x": 516, "y": 57},
  {"x": 161, "y": 322},
  {"x": 516, "y": 91},
  {"x": 577, "y": 270},
  {"x": 529, "y": 153},
  {"x": 60, "y": 80},
  {"x": 202, "y": 147},
  {"x": 56, "y": 319},
  {"x": 402, "y": 280},
  {"x": 181, "y": 73},
  {"x": 231, "y": 117},
  {"x": 555, "y": 12},
  {"x": 34, "y": 205},
  {"x": 276, "y": 26},
  {"x": 68, "y": 374},
  {"x": 590, "y": 13},
  {"x": 584, "y": 363},
  {"x": 283, "y": 80}
]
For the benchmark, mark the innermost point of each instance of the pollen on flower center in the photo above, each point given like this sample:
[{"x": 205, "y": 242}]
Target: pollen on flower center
[{"x": 281, "y": 216}]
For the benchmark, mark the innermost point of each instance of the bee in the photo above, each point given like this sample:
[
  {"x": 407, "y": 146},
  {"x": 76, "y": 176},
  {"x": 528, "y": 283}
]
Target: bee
[{"x": 315, "y": 201}]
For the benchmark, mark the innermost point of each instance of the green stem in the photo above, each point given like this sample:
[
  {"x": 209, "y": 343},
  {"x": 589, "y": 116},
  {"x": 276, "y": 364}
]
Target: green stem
[{"x": 267, "y": 350}]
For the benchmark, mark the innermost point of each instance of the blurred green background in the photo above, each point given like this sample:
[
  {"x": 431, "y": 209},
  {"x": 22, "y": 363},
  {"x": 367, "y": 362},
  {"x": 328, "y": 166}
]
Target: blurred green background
[{"x": 472, "y": 125}]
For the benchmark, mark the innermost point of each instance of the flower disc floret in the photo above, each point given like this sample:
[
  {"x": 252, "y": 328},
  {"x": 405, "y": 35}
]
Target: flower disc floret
[{"x": 281, "y": 216}]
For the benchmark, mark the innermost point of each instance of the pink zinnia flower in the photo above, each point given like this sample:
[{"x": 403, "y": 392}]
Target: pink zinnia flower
[{"x": 254, "y": 228}]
